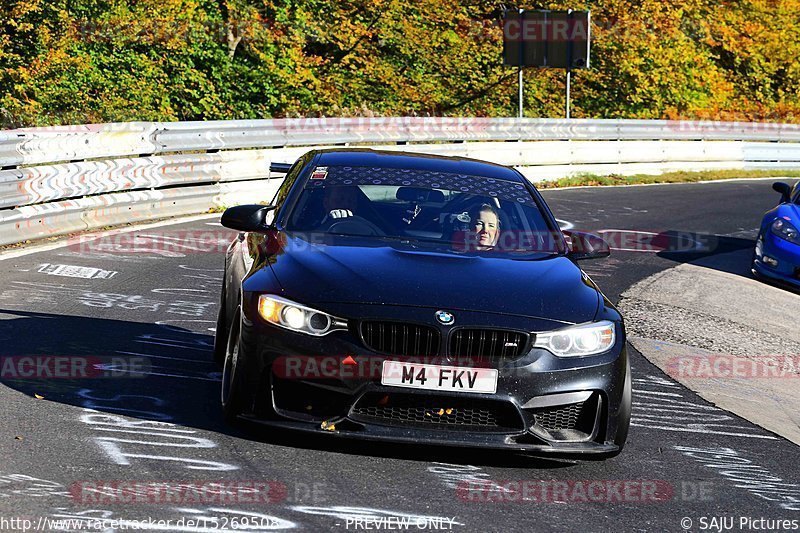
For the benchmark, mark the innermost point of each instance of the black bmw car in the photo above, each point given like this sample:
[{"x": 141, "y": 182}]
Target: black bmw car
[{"x": 415, "y": 298}]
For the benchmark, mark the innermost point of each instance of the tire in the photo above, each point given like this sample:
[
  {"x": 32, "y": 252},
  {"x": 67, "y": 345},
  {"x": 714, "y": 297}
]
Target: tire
[
  {"x": 753, "y": 271},
  {"x": 231, "y": 393},
  {"x": 221, "y": 332}
]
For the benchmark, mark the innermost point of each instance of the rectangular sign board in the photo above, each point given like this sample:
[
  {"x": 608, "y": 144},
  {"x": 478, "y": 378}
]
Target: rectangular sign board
[{"x": 546, "y": 39}]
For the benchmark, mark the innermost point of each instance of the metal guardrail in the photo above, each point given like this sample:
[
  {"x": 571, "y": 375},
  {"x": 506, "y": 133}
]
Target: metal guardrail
[
  {"x": 67, "y": 178},
  {"x": 29, "y": 146},
  {"x": 70, "y": 216},
  {"x": 31, "y": 185}
]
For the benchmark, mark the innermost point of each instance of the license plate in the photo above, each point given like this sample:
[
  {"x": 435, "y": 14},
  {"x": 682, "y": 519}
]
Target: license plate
[{"x": 435, "y": 377}]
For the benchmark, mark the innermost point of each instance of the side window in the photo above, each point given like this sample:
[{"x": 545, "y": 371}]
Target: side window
[{"x": 286, "y": 186}]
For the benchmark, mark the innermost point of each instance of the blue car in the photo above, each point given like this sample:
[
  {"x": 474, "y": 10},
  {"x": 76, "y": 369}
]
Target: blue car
[{"x": 777, "y": 253}]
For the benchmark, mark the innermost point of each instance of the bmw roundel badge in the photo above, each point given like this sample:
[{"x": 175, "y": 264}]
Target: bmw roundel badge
[{"x": 445, "y": 318}]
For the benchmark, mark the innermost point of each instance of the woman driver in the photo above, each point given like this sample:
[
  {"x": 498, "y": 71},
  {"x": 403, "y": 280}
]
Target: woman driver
[{"x": 485, "y": 224}]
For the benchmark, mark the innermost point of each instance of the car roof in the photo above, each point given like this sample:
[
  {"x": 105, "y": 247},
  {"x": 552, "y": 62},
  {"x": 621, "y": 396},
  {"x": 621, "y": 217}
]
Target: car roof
[{"x": 362, "y": 157}]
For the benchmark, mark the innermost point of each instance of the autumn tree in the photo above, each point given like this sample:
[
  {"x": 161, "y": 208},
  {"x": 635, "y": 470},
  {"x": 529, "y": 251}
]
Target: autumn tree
[{"x": 72, "y": 61}]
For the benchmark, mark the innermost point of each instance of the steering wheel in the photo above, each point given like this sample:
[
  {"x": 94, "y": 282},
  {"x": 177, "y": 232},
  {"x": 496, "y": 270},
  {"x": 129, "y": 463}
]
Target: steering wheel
[{"x": 356, "y": 225}]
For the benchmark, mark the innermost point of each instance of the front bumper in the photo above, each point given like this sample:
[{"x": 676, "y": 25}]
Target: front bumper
[
  {"x": 543, "y": 404},
  {"x": 785, "y": 253},
  {"x": 439, "y": 438}
]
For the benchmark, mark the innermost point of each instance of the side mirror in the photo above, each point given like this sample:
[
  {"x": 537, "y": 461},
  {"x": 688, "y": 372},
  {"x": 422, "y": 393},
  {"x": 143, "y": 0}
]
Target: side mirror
[
  {"x": 584, "y": 245},
  {"x": 784, "y": 188},
  {"x": 247, "y": 217}
]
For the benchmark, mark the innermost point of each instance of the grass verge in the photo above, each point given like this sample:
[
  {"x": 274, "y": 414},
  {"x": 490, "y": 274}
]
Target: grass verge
[{"x": 667, "y": 177}]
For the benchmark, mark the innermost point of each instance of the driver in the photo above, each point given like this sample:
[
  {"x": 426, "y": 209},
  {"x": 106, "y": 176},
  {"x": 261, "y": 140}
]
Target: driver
[
  {"x": 339, "y": 202},
  {"x": 485, "y": 226}
]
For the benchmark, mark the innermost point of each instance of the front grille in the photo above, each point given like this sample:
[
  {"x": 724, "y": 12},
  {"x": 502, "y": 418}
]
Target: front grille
[
  {"x": 487, "y": 345},
  {"x": 559, "y": 418},
  {"x": 438, "y": 412},
  {"x": 395, "y": 338}
]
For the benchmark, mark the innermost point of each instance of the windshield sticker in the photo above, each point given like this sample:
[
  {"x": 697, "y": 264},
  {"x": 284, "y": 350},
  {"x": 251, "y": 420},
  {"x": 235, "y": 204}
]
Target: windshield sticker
[{"x": 320, "y": 173}]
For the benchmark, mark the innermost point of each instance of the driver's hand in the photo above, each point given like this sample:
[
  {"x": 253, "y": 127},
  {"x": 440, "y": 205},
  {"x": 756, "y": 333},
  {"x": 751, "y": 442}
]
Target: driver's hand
[
  {"x": 336, "y": 214},
  {"x": 340, "y": 213}
]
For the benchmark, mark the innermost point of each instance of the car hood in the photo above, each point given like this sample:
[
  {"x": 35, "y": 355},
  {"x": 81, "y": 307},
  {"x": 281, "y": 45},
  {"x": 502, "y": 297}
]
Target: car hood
[
  {"x": 789, "y": 211},
  {"x": 793, "y": 212},
  {"x": 553, "y": 288}
]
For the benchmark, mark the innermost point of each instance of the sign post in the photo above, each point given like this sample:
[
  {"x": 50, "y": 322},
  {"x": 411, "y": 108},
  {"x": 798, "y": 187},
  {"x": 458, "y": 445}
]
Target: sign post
[
  {"x": 521, "y": 62},
  {"x": 546, "y": 39}
]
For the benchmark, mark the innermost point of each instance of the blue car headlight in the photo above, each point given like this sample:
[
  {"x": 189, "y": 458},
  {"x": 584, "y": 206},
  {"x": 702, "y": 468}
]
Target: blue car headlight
[
  {"x": 578, "y": 341},
  {"x": 785, "y": 230}
]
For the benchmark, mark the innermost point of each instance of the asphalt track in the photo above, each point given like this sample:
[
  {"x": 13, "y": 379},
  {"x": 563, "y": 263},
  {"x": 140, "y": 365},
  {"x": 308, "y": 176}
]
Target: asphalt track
[{"x": 61, "y": 437}]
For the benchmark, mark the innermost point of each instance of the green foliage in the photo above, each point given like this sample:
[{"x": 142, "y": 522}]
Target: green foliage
[{"x": 79, "y": 61}]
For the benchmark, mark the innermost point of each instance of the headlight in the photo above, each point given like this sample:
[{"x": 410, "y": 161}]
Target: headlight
[
  {"x": 576, "y": 341},
  {"x": 785, "y": 230},
  {"x": 297, "y": 317}
]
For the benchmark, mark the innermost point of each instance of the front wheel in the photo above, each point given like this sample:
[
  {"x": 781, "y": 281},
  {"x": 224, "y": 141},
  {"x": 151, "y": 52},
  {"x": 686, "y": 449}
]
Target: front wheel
[
  {"x": 220, "y": 339},
  {"x": 231, "y": 394},
  {"x": 757, "y": 251},
  {"x": 220, "y": 332}
]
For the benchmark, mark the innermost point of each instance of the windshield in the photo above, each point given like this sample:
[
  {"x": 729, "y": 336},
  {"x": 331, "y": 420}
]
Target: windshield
[{"x": 462, "y": 212}]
